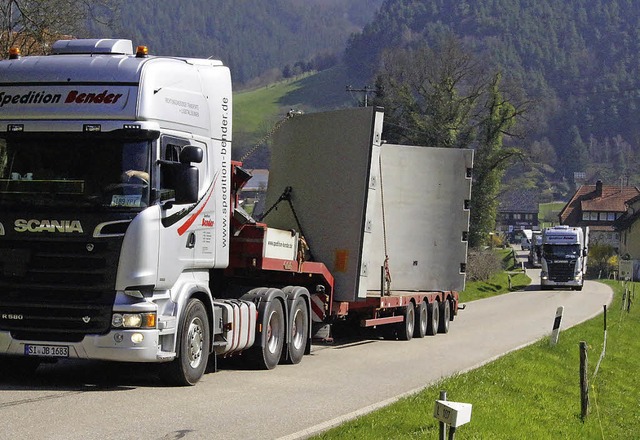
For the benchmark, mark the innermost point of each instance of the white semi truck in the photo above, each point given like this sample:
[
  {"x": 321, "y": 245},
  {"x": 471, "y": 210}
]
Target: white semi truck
[
  {"x": 564, "y": 257},
  {"x": 122, "y": 237}
]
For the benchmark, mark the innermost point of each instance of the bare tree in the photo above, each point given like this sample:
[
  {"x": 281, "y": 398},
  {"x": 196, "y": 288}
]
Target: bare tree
[
  {"x": 431, "y": 95},
  {"x": 446, "y": 97},
  {"x": 32, "y": 25}
]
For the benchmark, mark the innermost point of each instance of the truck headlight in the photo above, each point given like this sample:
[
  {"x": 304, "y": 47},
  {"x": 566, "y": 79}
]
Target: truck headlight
[
  {"x": 543, "y": 275},
  {"x": 133, "y": 320}
]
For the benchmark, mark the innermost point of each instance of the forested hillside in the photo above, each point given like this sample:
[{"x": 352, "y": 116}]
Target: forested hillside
[
  {"x": 578, "y": 61},
  {"x": 255, "y": 38}
]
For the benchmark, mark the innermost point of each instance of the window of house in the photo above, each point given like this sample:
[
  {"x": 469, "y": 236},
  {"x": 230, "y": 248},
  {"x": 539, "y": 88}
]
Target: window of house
[
  {"x": 585, "y": 215},
  {"x": 611, "y": 216},
  {"x": 593, "y": 216},
  {"x": 602, "y": 216},
  {"x": 517, "y": 216}
]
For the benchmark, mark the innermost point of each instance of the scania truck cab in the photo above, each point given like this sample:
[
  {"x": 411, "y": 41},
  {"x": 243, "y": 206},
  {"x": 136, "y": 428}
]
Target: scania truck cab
[{"x": 564, "y": 257}]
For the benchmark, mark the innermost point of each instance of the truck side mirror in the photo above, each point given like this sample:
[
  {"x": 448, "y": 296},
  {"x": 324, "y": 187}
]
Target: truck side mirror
[
  {"x": 181, "y": 176},
  {"x": 191, "y": 154},
  {"x": 186, "y": 178}
]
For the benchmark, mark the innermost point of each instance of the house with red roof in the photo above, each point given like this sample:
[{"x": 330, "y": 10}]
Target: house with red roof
[{"x": 598, "y": 207}]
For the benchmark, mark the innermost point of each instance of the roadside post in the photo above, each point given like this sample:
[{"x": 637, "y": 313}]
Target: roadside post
[
  {"x": 555, "y": 332},
  {"x": 453, "y": 414}
]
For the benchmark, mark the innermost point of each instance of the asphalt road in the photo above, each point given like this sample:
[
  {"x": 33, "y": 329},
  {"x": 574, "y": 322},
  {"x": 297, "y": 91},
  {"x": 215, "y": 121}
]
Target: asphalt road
[{"x": 79, "y": 400}]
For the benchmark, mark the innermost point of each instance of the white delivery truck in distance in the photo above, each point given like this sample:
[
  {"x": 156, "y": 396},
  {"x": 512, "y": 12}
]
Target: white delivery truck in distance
[
  {"x": 122, "y": 237},
  {"x": 564, "y": 257},
  {"x": 525, "y": 240}
]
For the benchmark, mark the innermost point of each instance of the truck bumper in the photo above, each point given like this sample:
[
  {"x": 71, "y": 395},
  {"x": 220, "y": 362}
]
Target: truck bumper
[
  {"x": 570, "y": 283},
  {"x": 113, "y": 346}
]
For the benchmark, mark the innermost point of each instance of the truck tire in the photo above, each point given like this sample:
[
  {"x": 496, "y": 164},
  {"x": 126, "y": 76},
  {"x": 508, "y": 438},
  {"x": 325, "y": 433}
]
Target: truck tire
[
  {"x": 445, "y": 316},
  {"x": 422, "y": 318},
  {"x": 299, "y": 331},
  {"x": 194, "y": 343},
  {"x": 434, "y": 318},
  {"x": 266, "y": 355},
  {"x": 407, "y": 326}
]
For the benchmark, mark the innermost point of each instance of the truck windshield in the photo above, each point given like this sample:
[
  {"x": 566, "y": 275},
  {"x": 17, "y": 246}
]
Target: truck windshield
[
  {"x": 58, "y": 171},
  {"x": 561, "y": 250}
]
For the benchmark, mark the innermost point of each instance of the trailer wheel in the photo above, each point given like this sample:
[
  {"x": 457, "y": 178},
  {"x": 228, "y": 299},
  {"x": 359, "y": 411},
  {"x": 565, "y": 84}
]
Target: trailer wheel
[
  {"x": 422, "y": 318},
  {"x": 445, "y": 316},
  {"x": 193, "y": 352},
  {"x": 299, "y": 332},
  {"x": 434, "y": 318},
  {"x": 267, "y": 355},
  {"x": 406, "y": 327}
]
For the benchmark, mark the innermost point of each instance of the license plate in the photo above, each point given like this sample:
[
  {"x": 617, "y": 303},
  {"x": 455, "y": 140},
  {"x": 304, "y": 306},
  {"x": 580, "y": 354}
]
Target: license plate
[{"x": 46, "y": 350}]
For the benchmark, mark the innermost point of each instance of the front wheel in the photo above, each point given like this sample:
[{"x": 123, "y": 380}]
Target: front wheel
[{"x": 193, "y": 351}]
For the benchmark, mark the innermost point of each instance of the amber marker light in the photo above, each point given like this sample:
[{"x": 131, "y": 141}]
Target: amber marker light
[
  {"x": 142, "y": 51},
  {"x": 14, "y": 53}
]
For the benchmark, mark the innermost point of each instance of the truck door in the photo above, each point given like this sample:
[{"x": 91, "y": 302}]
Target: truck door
[{"x": 181, "y": 224}]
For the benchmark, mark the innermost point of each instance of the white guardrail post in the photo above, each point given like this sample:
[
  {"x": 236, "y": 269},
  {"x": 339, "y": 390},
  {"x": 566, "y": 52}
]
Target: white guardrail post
[{"x": 555, "y": 333}]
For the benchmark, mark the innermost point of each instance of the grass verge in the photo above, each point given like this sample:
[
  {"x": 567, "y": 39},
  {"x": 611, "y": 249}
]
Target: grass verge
[
  {"x": 496, "y": 285},
  {"x": 532, "y": 393},
  {"x": 504, "y": 282}
]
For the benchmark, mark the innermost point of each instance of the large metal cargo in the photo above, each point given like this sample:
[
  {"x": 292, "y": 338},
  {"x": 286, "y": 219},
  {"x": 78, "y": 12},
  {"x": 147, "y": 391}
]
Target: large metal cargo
[{"x": 359, "y": 200}]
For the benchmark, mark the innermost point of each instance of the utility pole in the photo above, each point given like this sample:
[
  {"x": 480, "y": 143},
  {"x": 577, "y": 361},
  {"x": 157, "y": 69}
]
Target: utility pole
[{"x": 366, "y": 90}]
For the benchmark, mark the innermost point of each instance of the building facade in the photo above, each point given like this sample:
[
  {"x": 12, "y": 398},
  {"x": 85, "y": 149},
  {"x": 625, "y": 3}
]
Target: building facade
[
  {"x": 517, "y": 210},
  {"x": 598, "y": 207}
]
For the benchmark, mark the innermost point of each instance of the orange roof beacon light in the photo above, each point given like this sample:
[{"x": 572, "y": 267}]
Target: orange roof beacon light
[
  {"x": 14, "y": 53},
  {"x": 142, "y": 51}
]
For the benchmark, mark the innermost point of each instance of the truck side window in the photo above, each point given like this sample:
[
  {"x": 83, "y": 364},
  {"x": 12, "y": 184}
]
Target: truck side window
[{"x": 169, "y": 150}]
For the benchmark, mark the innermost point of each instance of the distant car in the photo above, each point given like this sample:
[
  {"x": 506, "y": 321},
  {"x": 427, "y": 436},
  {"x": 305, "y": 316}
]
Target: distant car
[{"x": 525, "y": 244}]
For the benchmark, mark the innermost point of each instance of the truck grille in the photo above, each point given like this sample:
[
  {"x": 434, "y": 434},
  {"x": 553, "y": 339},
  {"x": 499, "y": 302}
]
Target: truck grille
[
  {"x": 57, "y": 291},
  {"x": 561, "y": 271}
]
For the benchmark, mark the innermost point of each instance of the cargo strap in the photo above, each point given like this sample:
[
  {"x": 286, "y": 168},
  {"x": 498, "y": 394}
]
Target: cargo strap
[{"x": 387, "y": 271}]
